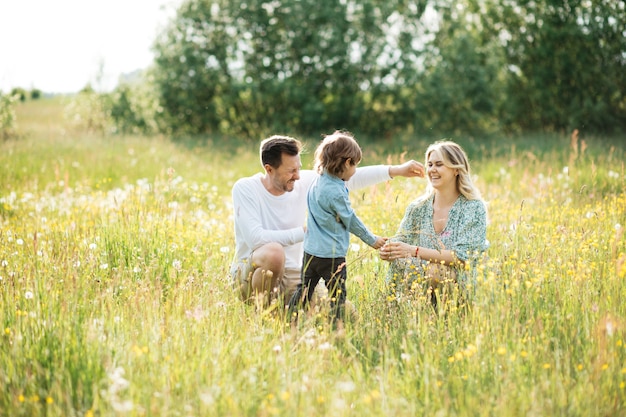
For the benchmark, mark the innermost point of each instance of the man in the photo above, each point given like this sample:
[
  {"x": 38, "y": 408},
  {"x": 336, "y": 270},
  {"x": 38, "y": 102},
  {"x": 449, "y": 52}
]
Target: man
[{"x": 270, "y": 212}]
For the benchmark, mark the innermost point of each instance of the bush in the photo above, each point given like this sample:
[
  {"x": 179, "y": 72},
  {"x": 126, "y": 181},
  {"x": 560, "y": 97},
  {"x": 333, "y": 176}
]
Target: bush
[
  {"x": 89, "y": 111},
  {"x": 7, "y": 116}
]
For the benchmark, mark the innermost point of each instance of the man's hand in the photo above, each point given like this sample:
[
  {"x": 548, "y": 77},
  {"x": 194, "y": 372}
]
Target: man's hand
[{"x": 408, "y": 169}]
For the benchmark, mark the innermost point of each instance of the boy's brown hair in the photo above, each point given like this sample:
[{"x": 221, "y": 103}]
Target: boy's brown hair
[{"x": 332, "y": 154}]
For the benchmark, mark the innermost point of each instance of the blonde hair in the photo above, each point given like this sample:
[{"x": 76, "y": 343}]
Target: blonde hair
[
  {"x": 332, "y": 154},
  {"x": 453, "y": 156}
]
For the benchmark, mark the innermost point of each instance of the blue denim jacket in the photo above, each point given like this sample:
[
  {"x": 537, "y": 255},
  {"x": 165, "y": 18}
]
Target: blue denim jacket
[{"x": 331, "y": 219}]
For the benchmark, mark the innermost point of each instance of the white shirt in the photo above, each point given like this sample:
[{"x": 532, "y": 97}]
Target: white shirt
[{"x": 261, "y": 217}]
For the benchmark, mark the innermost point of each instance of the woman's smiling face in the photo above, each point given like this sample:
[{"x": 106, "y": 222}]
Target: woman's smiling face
[{"x": 439, "y": 174}]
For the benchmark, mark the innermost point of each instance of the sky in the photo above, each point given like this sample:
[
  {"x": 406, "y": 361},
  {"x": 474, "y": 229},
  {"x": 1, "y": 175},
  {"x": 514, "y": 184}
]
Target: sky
[{"x": 59, "y": 46}]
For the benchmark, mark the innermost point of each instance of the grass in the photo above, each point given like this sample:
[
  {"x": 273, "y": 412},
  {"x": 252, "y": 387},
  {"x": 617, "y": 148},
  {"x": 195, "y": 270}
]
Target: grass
[{"x": 114, "y": 255}]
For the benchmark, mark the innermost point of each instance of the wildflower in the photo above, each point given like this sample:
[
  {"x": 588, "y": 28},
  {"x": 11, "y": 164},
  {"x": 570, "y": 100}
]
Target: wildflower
[
  {"x": 28, "y": 295},
  {"x": 92, "y": 246},
  {"x": 346, "y": 386},
  {"x": 324, "y": 346},
  {"x": 224, "y": 249},
  {"x": 19, "y": 242}
]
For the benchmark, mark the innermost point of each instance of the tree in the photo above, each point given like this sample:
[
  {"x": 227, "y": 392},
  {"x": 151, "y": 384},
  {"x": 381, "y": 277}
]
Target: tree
[
  {"x": 7, "y": 115},
  {"x": 262, "y": 66},
  {"x": 566, "y": 60}
]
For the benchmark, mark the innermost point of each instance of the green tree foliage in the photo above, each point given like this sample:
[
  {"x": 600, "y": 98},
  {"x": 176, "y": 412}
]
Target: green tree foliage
[
  {"x": 262, "y": 66},
  {"x": 7, "y": 115},
  {"x": 434, "y": 67},
  {"x": 89, "y": 111},
  {"x": 567, "y": 61},
  {"x": 461, "y": 89},
  {"x": 35, "y": 94},
  {"x": 134, "y": 108},
  {"x": 20, "y": 93}
]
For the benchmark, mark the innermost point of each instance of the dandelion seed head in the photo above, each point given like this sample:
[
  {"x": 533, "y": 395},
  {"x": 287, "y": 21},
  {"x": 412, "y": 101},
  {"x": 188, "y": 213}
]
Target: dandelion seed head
[
  {"x": 324, "y": 346},
  {"x": 346, "y": 386},
  {"x": 28, "y": 295}
]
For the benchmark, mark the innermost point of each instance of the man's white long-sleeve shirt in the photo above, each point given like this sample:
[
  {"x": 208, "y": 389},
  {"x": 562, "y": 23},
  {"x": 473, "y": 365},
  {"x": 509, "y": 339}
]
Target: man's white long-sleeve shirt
[{"x": 261, "y": 217}]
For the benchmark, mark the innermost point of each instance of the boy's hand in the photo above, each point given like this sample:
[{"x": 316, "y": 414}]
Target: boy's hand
[{"x": 379, "y": 242}]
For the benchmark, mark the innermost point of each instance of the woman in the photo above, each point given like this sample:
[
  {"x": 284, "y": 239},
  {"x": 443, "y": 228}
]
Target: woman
[{"x": 444, "y": 231}]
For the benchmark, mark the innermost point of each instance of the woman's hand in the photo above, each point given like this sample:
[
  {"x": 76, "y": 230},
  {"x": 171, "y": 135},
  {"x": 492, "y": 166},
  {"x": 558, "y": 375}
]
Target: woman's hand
[{"x": 396, "y": 250}]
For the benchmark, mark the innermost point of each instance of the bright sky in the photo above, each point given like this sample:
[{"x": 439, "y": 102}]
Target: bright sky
[{"x": 58, "y": 46}]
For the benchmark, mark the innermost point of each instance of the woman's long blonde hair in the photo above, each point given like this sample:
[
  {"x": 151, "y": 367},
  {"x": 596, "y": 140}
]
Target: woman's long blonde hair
[{"x": 453, "y": 156}]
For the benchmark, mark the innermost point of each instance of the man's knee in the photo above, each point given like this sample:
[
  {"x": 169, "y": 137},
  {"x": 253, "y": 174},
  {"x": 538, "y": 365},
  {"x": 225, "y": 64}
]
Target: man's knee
[{"x": 270, "y": 256}]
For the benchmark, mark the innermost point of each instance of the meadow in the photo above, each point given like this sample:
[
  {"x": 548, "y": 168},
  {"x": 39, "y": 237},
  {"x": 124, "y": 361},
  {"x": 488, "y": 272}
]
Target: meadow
[{"x": 115, "y": 298}]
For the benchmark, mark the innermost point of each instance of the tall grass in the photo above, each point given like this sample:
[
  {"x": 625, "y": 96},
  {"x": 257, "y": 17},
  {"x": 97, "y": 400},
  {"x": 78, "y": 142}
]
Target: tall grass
[{"x": 115, "y": 298}]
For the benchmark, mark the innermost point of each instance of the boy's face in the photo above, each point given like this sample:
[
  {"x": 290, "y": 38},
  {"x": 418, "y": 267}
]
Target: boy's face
[{"x": 348, "y": 170}]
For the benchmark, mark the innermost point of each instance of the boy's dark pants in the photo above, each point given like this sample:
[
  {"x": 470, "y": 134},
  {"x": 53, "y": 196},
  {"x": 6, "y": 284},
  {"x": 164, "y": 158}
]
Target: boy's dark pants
[{"x": 334, "y": 272}]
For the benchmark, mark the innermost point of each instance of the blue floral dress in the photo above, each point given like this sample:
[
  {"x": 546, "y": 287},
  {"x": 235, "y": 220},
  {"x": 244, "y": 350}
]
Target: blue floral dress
[{"x": 465, "y": 234}]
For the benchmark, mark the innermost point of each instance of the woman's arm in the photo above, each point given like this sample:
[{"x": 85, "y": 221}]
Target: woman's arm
[{"x": 398, "y": 250}]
